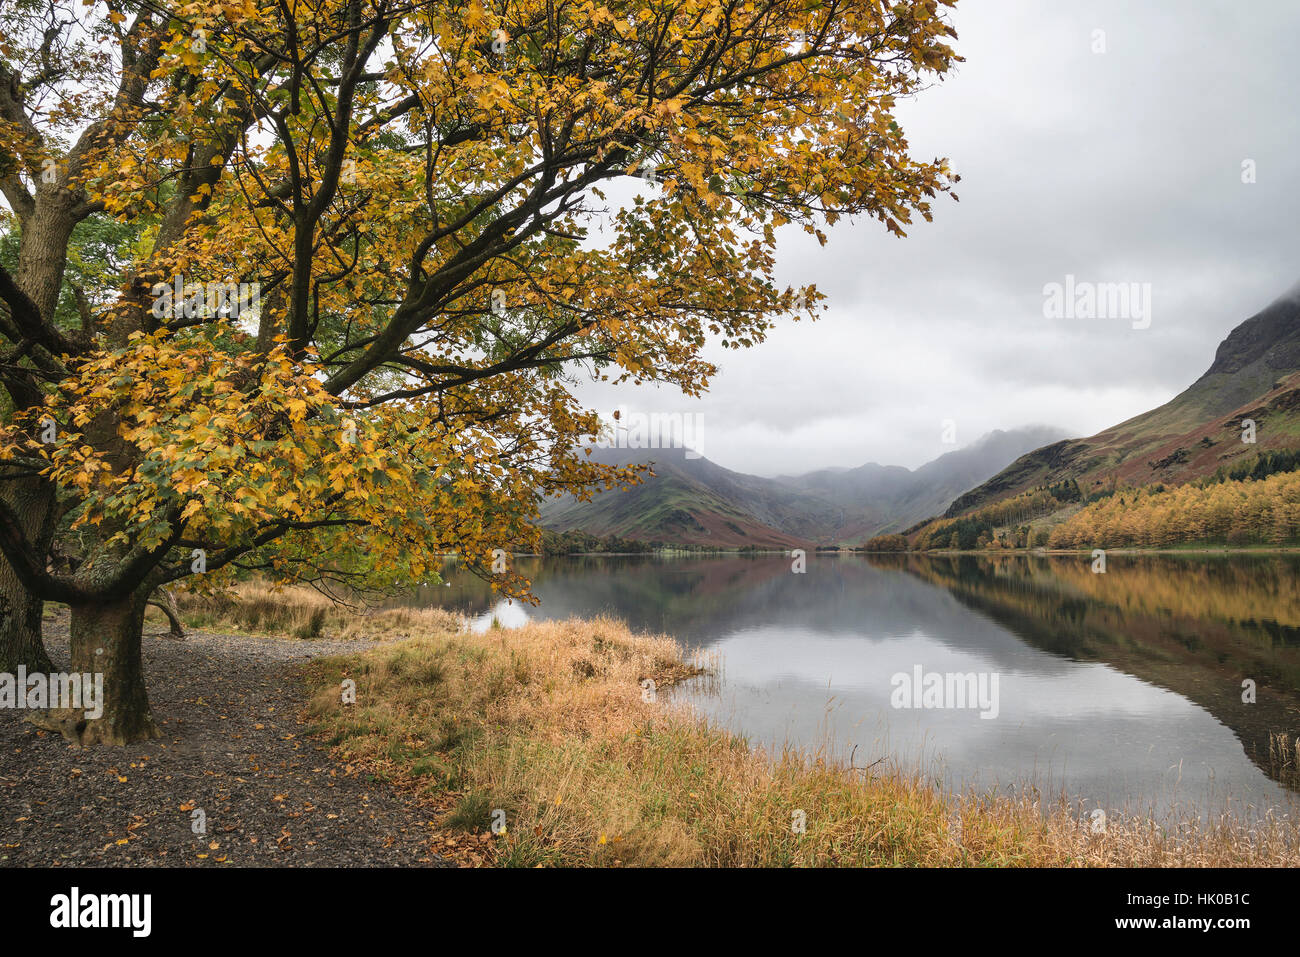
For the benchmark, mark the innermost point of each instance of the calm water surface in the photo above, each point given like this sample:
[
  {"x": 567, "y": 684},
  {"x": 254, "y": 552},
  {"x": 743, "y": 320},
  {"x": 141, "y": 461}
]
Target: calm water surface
[{"x": 1119, "y": 690}]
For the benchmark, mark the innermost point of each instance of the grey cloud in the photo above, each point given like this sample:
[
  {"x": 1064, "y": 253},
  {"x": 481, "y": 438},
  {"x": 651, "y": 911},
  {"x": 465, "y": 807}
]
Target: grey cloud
[{"x": 1121, "y": 166}]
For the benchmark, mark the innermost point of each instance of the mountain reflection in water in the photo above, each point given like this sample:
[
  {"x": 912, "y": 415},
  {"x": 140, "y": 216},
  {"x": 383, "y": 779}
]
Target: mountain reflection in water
[{"x": 1122, "y": 689}]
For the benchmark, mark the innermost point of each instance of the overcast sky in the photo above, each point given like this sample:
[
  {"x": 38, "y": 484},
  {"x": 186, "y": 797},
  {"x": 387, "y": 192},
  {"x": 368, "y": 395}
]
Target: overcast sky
[{"x": 1121, "y": 166}]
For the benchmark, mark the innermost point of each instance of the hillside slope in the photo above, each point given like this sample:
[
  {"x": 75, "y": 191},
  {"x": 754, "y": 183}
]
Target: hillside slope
[{"x": 1255, "y": 375}]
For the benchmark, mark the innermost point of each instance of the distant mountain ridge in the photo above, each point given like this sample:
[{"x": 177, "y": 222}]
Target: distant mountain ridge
[
  {"x": 1255, "y": 376},
  {"x": 698, "y": 502}
]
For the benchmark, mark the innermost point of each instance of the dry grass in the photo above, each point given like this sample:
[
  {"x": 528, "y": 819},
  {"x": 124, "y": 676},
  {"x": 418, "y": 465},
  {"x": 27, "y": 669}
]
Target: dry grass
[
  {"x": 1284, "y": 758},
  {"x": 548, "y": 724},
  {"x": 297, "y": 611}
]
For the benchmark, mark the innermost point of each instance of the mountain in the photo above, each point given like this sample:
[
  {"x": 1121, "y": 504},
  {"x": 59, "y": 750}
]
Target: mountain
[
  {"x": 906, "y": 498},
  {"x": 695, "y": 501},
  {"x": 688, "y": 501},
  {"x": 1255, "y": 376}
]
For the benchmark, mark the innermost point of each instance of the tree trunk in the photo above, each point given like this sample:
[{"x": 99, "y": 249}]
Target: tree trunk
[
  {"x": 20, "y": 610},
  {"x": 166, "y": 603},
  {"x": 106, "y": 641},
  {"x": 43, "y": 249},
  {"x": 42, "y": 256},
  {"x": 20, "y": 626}
]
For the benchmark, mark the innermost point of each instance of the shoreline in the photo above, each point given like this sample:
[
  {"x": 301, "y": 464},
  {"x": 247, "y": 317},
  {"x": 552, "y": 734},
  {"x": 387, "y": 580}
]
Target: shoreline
[
  {"x": 546, "y": 728},
  {"x": 992, "y": 552}
]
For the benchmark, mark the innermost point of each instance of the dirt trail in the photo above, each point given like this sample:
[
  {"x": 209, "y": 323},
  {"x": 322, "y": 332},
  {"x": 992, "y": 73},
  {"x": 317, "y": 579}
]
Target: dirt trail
[{"x": 231, "y": 747}]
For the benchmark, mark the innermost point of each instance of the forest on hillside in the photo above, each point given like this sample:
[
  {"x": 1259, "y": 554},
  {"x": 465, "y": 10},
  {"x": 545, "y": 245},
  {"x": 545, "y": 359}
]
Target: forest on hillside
[
  {"x": 1249, "y": 512},
  {"x": 1255, "y": 503}
]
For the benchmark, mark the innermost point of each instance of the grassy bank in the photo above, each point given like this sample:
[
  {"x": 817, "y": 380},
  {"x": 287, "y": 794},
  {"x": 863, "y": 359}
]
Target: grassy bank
[
  {"x": 549, "y": 724},
  {"x": 256, "y": 608}
]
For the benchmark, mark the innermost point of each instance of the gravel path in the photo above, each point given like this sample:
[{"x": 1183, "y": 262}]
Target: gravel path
[{"x": 232, "y": 747}]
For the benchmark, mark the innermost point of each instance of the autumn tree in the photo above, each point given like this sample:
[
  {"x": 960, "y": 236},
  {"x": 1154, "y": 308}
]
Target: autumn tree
[{"x": 372, "y": 247}]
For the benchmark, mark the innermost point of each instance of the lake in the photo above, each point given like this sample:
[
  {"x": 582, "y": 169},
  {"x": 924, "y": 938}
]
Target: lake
[{"x": 1122, "y": 690}]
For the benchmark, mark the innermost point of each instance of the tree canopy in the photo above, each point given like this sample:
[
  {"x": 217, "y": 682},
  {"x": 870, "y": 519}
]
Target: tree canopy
[{"x": 307, "y": 285}]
